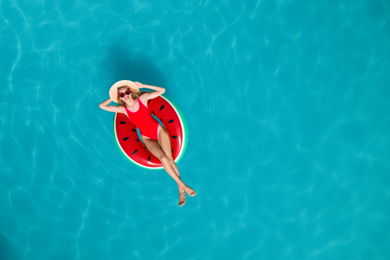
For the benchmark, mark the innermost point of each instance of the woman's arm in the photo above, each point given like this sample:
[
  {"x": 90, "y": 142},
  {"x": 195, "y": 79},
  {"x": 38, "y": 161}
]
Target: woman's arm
[
  {"x": 104, "y": 105},
  {"x": 150, "y": 95}
]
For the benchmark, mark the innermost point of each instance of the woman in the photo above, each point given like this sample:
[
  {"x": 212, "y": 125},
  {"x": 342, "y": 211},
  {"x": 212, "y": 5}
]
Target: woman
[{"x": 134, "y": 104}]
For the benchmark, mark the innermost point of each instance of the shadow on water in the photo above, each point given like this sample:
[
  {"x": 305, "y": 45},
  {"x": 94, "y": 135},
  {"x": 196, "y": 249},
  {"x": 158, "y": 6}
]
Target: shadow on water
[
  {"x": 5, "y": 252},
  {"x": 121, "y": 64}
]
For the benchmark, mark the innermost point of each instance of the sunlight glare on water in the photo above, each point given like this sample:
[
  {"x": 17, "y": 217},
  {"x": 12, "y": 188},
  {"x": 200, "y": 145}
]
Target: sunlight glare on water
[{"x": 288, "y": 116}]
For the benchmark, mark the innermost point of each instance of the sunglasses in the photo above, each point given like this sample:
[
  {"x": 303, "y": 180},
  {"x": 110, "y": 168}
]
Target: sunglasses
[{"x": 123, "y": 94}]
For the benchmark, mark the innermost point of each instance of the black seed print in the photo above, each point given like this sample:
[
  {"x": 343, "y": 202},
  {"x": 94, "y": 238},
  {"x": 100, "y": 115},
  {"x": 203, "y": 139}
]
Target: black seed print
[
  {"x": 153, "y": 112},
  {"x": 149, "y": 158},
  {"x": 133, "y": 130},
  {"x": 172, "y": 151},
  {"x": 137, "y": 140},
  {"x": 135, "y": 151},
  {"x": 174, "y": 137},
  {"x": 148, "y": 101},
  {"x": 125, "y": 139},
  {"x": 162, "y": 107},
  {"x": 122, "y": 122},
  {"x": 171, "y": 121}
]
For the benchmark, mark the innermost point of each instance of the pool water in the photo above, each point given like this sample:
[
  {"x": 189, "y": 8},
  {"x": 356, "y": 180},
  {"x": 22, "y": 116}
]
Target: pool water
[{"x": 287, "y": 106}]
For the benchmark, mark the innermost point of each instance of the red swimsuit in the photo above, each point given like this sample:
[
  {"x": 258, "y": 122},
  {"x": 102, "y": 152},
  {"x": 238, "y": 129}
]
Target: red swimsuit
[{"x": 143, "y": 119}]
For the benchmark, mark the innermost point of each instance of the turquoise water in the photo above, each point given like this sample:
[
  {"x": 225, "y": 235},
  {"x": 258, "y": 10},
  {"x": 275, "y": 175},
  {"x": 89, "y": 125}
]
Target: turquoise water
[{"x": 287, "y": 105}]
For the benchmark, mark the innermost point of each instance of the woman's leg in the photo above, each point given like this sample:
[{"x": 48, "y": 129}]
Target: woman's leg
[
  {"x": 165, "y": 143},
  {"x": 164, "y": 138},
  {"x": 156, "y": 150}
]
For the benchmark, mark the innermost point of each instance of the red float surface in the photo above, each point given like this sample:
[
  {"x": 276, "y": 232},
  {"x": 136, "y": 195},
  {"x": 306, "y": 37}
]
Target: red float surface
[{"x": 134, "y": 149}]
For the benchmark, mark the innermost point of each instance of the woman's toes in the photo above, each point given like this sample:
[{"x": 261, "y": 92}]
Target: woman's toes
[{"x": 190, "y": 192}]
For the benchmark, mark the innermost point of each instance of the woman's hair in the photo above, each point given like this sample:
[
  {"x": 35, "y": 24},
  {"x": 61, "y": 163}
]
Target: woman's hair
[{"x": 135, "y": 94}]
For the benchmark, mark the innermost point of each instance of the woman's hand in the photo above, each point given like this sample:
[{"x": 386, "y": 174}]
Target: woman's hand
[
  {"x": 104, "y": 105},
  {"x": 139, "y": 85}
]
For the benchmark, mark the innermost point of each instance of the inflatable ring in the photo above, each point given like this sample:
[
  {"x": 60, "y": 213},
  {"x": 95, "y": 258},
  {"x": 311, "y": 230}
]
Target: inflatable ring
[{"x": 129, "y": 140}]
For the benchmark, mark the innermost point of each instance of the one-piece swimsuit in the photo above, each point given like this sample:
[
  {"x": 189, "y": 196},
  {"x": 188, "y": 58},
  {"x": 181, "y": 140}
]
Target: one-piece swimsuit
[{"x": 143, "y": 119}]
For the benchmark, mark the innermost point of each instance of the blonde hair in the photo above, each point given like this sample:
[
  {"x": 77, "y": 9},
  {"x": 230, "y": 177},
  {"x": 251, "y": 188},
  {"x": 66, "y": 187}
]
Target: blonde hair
[{"x": 135, "y": 94}]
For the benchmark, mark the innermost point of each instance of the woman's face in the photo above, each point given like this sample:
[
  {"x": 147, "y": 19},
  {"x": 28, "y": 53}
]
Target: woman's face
[{"x": 122, "y": 90}]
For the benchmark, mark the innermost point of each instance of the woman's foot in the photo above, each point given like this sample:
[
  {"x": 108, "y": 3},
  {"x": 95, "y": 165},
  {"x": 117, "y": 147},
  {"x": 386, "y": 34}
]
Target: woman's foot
[
  {"x": 189, "y": 191},
  {"x": 182, "y": 197}
]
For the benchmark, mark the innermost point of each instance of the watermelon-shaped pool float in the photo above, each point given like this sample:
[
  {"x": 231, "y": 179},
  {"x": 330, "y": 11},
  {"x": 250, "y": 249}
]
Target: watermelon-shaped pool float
[{"x": 130, "y": 143}]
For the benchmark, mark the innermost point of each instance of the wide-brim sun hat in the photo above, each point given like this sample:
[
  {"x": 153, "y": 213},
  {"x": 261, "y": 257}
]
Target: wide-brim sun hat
[{"x": 122, "y": 83}]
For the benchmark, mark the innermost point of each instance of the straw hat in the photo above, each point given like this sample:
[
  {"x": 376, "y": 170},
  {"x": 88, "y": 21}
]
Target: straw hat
[{"x": 123, "y": 83}]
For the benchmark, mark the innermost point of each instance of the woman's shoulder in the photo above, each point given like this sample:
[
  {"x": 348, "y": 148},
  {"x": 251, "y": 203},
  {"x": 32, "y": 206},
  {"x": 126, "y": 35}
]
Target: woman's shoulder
[
  {"x": 121, "y": 109},
  {"x": 143, "y": 99}
]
